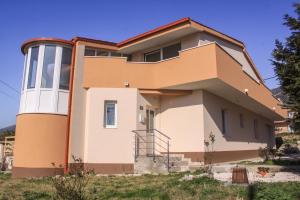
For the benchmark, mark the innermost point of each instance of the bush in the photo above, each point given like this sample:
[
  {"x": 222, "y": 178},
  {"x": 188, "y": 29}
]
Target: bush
[
  {"x": 289, "y": 149},
  {"x": 72, "y": 186}
]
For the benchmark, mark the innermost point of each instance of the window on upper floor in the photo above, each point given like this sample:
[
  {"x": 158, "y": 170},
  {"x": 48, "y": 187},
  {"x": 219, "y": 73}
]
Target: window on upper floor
[
  {"x": 48, "y": 66},
  {"x": 153, "y": 56},
  {"x": 115, "y": 54},
  {"x": 163, "y": 53},
  {"x": 171, "y": 51},
  {"x": 89, "y": 52},
  {"x": 110, "y": 114},
  {"x": 101, "y": 52},
  {"x": 25, "y": 71},
  {"x": 33, "y": 67}
]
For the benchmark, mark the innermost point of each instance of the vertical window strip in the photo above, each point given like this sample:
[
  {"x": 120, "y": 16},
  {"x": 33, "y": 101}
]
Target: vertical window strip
[
  {"x": 255, "y": 126},
  {"x": 241, "y": 120},
  {"x": 224, "y": 121},
  {"x": 33, "y": 67}
]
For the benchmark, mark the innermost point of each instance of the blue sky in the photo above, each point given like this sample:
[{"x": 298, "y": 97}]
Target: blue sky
[{"x": 257, "y": 23}]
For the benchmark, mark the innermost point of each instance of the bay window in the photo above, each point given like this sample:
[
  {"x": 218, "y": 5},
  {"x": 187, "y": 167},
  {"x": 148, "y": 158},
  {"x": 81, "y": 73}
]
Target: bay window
[
  {"x": 48, "y": 67},
  {"x": 33, "y": 67},
  {"x": 65, "y": 69}
]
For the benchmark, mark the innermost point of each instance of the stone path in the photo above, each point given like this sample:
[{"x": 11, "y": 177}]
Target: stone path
[{"x": 255, "y": 177}]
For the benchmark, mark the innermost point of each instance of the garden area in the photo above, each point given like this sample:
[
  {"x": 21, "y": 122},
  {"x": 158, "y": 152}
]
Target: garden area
[{"x": 172, "y": 186}]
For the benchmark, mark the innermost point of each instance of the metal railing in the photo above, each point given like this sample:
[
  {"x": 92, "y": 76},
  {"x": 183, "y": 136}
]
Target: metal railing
[{"x": 151, "y": 143}]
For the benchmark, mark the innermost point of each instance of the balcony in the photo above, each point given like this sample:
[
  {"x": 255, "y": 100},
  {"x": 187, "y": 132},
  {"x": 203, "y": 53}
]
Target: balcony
[{"x": 206, "y": 67}]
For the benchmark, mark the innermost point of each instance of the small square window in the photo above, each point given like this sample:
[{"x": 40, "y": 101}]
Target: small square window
[{"x": 110, "y": 114}]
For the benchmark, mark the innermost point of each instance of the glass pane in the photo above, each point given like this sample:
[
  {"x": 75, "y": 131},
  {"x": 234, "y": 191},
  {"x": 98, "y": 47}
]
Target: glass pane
[
  {"x": 223, "y": 121},
  {"x": 89, "y": 52},
  {"x": 65, "y": 68},
  {"x": 48, "y": 67},
  {"x": 153, "y": 56},
  {"x": 128, "y": 56},
  {"x": 115, "y": 54},
  {"x": 25, "y": 71},
  {"x": 102, "y": 53},
  {"x": 110, "y": 114},
  {"x": 33, "y": 67},
  {"x": 171, "y": 51}
]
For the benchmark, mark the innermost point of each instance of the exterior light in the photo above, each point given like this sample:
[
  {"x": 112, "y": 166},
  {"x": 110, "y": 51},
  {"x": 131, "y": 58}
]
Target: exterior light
[{"x": 126, "y": 84}]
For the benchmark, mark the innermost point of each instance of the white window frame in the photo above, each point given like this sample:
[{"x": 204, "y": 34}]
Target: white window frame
[{"x": 106, "y": 103}]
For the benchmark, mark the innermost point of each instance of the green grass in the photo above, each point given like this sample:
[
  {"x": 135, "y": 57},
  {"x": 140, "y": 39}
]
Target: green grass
[{"x": 162, "y": 187}]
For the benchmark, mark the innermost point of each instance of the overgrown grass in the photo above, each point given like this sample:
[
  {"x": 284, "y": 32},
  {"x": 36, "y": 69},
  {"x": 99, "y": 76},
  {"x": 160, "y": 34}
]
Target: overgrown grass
[{"x": 150, "y": 187}]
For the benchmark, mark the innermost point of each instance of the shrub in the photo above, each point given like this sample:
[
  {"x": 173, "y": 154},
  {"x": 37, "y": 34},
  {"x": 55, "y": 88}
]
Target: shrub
[
  {"x": 289, "y": 149},
  {"x": 72, "y": 186}
]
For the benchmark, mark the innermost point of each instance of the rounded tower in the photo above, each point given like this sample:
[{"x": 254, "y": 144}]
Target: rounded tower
[{"x": 41, "y": 123}]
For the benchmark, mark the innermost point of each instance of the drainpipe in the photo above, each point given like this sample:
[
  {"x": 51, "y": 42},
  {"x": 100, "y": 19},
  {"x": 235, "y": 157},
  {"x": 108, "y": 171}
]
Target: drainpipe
[{"x": 66, "y": 164}]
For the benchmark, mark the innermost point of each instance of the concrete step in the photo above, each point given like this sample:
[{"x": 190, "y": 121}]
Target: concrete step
[{"x": 177, "y": 163}]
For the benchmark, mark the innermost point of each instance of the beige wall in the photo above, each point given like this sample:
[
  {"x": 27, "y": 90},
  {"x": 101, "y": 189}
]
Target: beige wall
[
  {"x": 77, "y": 126},
  {"x": 236, "y": 138},
  {"x": 110, "y": 145},
  {"x": 181, "y": 118}
]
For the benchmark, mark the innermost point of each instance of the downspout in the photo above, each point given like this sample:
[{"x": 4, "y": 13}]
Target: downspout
[{"x": 66, "y": 164}]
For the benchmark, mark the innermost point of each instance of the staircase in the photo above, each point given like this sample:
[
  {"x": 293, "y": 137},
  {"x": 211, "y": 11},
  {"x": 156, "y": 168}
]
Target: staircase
[{"x": 152, "y": 154}]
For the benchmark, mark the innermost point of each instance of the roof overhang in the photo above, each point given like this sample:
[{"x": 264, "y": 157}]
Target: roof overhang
[
  {"x": 222, "y": 89},
  {"x": 159, "y": 39}
]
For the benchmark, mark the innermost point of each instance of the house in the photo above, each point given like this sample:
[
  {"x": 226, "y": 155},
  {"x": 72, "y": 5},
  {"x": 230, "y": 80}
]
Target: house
[
  {"x": 282, "y": 126},
  {"x": 158, "y": 94}
]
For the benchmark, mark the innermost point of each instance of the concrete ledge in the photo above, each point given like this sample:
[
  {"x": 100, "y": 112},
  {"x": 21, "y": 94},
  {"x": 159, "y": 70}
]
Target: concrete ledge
[{"x": 109, "y": 168}]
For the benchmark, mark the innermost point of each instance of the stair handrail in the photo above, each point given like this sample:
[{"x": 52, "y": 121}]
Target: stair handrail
[{"x": 137, "y": 135}]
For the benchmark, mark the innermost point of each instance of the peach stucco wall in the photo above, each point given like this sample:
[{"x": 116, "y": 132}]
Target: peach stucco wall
[
  {"x": 40, "y": 140},
  {"x": 236, "y": 138},
  {"x": 181, "y": 118},
  {"x": 110, "y": 145}
]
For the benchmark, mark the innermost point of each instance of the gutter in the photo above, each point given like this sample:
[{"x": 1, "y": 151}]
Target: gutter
[{"x": 71, "y": 82}]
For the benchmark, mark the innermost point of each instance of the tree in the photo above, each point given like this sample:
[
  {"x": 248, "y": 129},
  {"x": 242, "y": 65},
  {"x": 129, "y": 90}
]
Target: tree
[{"x": 286, "y": 61}]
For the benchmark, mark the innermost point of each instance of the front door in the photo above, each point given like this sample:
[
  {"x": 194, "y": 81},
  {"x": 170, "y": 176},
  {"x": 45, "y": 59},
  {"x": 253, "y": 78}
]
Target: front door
[
  {"x": 150, "y": 120},
  {"x": 150, "y": 113}
]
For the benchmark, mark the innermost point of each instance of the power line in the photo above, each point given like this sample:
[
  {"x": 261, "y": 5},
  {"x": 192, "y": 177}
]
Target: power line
[
  {"x": 270, "y": 78},
  {"x": 9, "y": 86},
  {"x": 7, "y": 95}
]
